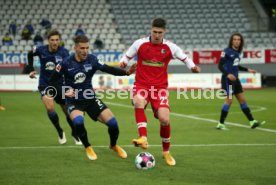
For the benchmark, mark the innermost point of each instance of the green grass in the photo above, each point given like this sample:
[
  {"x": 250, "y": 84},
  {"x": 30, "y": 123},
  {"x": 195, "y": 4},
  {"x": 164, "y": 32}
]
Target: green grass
[{"x": 30, "y": 154}]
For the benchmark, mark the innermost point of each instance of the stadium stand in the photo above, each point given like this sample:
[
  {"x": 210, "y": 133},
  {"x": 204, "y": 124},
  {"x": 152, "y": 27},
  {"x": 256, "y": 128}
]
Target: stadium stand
[
  {"x": 192, "y": 24},
  {"x": 95, "y": 17}
]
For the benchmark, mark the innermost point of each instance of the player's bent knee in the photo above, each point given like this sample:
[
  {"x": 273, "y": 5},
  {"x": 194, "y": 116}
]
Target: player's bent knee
[
  {"x": 139, "y": 102},
  {"x": 112, "y": 122},
  {"x": 164, "y": 120},
  {"x": 78, "y": 120}
]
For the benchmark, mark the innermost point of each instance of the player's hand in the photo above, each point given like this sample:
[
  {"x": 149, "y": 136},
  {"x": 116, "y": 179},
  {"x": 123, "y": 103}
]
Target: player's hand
[
  {"x": 231, "y": 77},
  {"x": 122, "y": 65},
  {"x": 32, "y": 74},
  {"x": 252, "y": 71},
  {"x": 70, "y": 93},
  {"x": 195, "y": 69},
  {"x": 132, "y": 69}
]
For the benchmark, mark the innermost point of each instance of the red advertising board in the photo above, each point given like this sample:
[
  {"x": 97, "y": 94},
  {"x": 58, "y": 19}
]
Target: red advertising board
[
  {"x": 206, "y": 57},
  {"x": 270, "y": 55}
]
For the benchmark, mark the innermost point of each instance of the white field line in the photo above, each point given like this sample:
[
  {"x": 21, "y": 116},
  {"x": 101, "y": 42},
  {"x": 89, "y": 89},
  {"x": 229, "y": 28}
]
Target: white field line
[
  {"x": 131, "y": 146},
  {"x": 257, "y": 109},
  {"x": 199, "y": 118}
]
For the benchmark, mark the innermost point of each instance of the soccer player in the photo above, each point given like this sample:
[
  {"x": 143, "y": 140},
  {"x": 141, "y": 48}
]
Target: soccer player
[
  {"x": 151, "y": 81},
  {"x": 50, "y": 55},
  {"x": 229, "y": 66},
  {"x": 78, "y": 71}
]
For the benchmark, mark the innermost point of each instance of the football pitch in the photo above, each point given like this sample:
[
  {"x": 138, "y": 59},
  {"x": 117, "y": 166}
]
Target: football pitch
[{"x": 30, "y": 153}]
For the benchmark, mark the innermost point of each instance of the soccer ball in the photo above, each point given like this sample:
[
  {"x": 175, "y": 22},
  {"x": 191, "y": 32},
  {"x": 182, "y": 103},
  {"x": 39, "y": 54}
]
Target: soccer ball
[{"x": 144, "y": 161}]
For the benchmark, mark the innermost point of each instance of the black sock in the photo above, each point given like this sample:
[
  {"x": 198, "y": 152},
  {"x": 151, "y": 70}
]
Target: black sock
[
  {"x": 82, "y": 134},
  {"x": 223, "y": 116},
  {"x": 248, "y": 114},
  {"x": 224, "y": 113},
  {"x": 55, "y": 121},
  {"x": 113, "y": 131},
  {"x": 246, "y": 111},
  {"x": 70, "y": 122}
]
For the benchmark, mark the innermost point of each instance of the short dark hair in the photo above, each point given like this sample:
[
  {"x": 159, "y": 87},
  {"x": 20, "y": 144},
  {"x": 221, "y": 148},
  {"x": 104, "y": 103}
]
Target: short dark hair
[
  {"x": 159, "y": 22},
  {"x": 81, "y": 39},
  {"x": 231, "y": 41},
  {"x": 52, "y": 33}
]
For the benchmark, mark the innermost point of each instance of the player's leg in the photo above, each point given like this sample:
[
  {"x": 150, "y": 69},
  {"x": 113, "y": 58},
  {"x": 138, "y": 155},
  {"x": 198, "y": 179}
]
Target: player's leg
[
  {"x": 161, "y": 109},
  {"x": 140, "y": 100},
  {"x": 165, "y": 130},
  {"x": 246, "y": 110},
  {"x": 107, "y": 117},
  {"x": 227, "y": 87},
  {"x": 224, "y": 112},
  {"x": 78, "y": 120},
  {"x": 71, "y": 124},
  {"x": 49, "y": 105}
]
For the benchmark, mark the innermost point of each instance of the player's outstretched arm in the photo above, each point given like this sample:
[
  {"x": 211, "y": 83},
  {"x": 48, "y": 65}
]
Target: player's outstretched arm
[
  {"x": 122, "y": 64},
  {"x": 117, "y": 71}
]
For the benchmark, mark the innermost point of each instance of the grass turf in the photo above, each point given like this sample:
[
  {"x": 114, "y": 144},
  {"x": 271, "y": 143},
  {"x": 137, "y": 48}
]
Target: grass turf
[{"x": 30, "y": 153}]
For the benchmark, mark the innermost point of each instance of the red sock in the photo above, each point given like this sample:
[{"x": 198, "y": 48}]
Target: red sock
[
  {"x": 141, "y": 121},
  {"x": 165, "y": 132}
]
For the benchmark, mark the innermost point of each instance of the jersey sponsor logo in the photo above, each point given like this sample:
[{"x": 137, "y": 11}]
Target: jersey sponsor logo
[
  {"x": 79, "y": 78},
  {"x": 58, "y": 68},
  {"x": 163, "y": 51},
  {"x": 50, "y": 66},
  {"x": 151, "y": 63}
]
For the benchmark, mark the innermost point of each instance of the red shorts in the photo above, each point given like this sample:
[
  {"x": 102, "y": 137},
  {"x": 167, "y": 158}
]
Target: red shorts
[{"x": 158, "y": 97}]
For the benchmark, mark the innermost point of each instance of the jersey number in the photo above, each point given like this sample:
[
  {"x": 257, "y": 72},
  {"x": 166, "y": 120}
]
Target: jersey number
[
  {"x": 99, "y": 103},
  {"x": 164, "y": 100}
]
